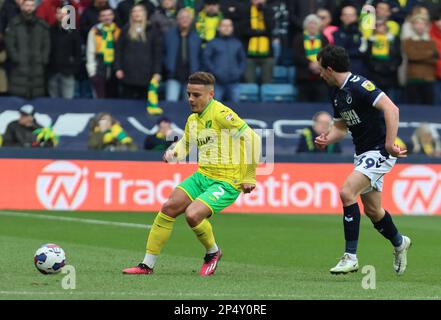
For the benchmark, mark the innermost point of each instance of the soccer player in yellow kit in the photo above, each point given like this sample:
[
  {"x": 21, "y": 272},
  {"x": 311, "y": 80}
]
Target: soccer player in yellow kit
[{"x": 229, "y": 152}]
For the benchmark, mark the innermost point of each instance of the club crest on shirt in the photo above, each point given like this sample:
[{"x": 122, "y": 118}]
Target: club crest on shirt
[
  {"x": 369, "y": 86},
  {"x": 208, "y": 124}
]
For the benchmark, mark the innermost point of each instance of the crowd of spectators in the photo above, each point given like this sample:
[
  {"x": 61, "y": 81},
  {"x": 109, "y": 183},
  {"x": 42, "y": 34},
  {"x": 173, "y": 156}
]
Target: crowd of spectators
[{"x": 114, "y": 48}]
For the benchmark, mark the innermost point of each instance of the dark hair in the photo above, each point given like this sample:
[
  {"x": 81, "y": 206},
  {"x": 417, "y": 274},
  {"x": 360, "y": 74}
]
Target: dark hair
[
  {"x": 335, "y": 57},
  {"x": 96, "y": 120},
  {"x": 386, "y": 2},
  {"x": 211, "y": 2},
  {"x": 163, "y": 119},
  {"x": 200, "y": 77},
  {"x": 105, "y": 8}
]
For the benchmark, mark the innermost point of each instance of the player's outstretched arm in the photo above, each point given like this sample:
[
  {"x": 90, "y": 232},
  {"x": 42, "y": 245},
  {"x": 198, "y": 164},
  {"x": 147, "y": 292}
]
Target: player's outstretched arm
[
  {"x": 392, "y": 118},
  {"x": 338, "y": 132}
]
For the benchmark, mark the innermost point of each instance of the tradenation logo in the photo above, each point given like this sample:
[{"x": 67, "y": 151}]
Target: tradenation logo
[
  {"x": 62, "y": 185},
  {"x": 418, "y": 190}
]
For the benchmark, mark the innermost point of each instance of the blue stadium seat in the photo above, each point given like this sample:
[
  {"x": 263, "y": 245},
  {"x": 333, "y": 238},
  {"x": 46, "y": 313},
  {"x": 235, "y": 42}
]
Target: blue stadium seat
[
  {"x": 291, "y": 74},
  {"x": 249, "y": 92},
  {"x": 280, "y": 74},
  {"x": 278, "y": 92}
]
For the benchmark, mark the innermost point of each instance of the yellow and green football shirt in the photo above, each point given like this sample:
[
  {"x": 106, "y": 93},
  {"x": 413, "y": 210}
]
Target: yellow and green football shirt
[{"x": 228, "y": 150}]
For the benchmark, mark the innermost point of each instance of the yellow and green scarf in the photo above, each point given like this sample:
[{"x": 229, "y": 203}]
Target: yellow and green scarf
[
  {"x": 106, "y": 47},
  {"x": 206, "y": 26},
  {"x": 45, "y": 135},
  {"x": 380, "y": 47},
  {"x": 312, "y": 45},
  {"x": 152, "y": 98},
  {"x": 258, "y": 46},
  {"x": 116, "y": 132}
]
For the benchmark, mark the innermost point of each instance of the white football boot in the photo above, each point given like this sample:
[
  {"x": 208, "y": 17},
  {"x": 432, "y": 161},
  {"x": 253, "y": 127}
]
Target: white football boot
[
  {"x": 345, "y": 265},
  {"x": 400, "y": 256}
]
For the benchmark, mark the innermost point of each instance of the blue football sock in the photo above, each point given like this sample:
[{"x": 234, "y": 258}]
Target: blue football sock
[
  {"x": 387, "y": 228},
  {"x": 351, "y": 223}
]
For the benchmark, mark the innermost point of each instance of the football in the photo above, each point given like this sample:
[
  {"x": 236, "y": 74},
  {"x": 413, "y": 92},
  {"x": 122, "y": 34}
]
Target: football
[{"x": 49, "y": 258}]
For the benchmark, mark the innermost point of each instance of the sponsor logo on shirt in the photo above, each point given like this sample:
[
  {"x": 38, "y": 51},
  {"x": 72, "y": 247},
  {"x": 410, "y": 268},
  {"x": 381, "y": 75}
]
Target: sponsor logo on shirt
[
  {"x": 369, "y": 86},
  {"x": 351, "y": 117}
]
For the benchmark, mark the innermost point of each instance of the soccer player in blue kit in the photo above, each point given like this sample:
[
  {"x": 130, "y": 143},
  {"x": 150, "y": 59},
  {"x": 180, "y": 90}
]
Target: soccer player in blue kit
[{"x": 372, "y": 118}]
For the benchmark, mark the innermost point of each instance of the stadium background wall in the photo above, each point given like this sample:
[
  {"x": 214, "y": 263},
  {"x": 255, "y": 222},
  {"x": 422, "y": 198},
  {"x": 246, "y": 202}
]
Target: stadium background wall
[
  {"x": 72, "y": 178},
  {"x": 54, "y": 180},
  {"x": 70, "y": 118}
]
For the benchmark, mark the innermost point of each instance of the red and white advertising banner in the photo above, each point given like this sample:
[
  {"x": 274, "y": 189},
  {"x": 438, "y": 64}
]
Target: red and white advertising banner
[{"x": 30, "y": 184}]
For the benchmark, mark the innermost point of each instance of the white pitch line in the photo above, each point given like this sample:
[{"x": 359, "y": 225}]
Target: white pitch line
[
  {"x": 70, "y": 219},
  {"x": 184, "y": 294}
]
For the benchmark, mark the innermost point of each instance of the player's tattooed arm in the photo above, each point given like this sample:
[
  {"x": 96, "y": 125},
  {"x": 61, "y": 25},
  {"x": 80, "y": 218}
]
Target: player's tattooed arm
[
  {"x": 337, "y": 132},
  {"x": 392, "y": 118}
]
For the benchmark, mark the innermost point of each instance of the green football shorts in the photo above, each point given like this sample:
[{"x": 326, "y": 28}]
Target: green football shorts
[{"x": 217, "y": 195}]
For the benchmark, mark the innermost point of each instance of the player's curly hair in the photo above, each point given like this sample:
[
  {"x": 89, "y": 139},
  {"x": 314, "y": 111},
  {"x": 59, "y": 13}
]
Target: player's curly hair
[
  {"x": 200, "y": 77},
  {"x": 335, "y": 57}
]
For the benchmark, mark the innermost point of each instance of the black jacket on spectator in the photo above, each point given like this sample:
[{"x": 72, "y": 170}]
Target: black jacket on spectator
[
  {"x": 299, "y": 9},
  {"x": 163, "y": 20},
  {"x": 122, "y": 12},
  {"x": 234, "y": 10},
  {"x": 65, "y": 56},
  {"x": 350, "y": 38},
  {"x": 248, "y": 32},
  {"x": 7, "y": 12},
  {"x": 17, "y": 135},
  {"x": 301, "y": 61},
  {"x": 384, "y": 73},
  {"x": 28, "y": 47},
  {"x": 88, "y": 19},
  {"x": 139, "y": 60}
]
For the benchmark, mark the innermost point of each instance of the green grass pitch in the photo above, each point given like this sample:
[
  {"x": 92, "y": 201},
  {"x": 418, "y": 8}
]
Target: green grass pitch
[{"x": 265, "y": 257}]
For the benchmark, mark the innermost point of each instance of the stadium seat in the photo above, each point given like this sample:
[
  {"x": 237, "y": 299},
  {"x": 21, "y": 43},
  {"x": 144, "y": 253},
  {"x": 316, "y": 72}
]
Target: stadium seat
[
  {"x": 249, "y": 92},
  {"x": 280, "y": 92},
  {"x": 291, "y": 74},
  {"x": 280, "y": 74}
]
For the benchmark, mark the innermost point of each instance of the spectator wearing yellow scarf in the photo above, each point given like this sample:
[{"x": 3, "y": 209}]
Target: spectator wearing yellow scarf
[
  {"x": 101, "y": 54},
  {"x": 306, "y": 46},
  {"x": 258, "y": 35},
  {"x": 106, "y": 133},
  {"x": 383, "y": 58},
  {"x": 208, "y": 20}
]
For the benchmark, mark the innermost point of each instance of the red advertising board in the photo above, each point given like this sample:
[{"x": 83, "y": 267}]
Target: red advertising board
[{"x": 30, "y": 184}]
